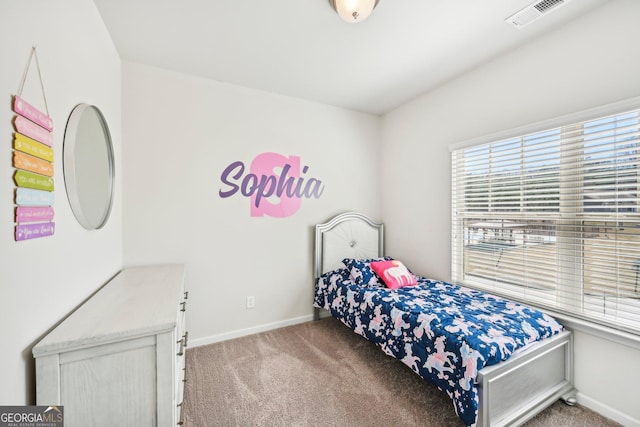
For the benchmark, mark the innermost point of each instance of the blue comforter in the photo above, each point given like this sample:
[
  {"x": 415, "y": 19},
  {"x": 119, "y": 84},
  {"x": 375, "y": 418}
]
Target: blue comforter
[{"x": 445, "y": 333}]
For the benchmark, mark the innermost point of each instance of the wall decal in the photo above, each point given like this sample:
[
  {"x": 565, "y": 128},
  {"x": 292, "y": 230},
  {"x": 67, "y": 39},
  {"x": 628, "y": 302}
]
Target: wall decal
[
  {"x": 33, "y": 163},
  {"x": 275, "y": 184}
]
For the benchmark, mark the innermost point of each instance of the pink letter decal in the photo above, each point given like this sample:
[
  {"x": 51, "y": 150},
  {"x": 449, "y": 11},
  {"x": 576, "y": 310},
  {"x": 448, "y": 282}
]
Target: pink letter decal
[{"x": 264, "y": 165}]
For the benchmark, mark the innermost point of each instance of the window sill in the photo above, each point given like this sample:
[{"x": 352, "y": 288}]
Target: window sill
[{"x": 610, "y": 334}]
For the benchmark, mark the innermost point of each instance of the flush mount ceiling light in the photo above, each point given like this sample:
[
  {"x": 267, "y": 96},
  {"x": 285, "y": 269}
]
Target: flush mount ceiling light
[{"x": 354, "y": 11}]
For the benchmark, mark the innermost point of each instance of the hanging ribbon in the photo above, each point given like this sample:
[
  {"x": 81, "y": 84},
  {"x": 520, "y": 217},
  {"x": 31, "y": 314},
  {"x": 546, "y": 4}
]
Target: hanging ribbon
[{"x": 34, "y": 54}]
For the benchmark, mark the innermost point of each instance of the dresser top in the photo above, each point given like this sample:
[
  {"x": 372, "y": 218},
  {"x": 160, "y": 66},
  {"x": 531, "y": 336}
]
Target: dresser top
[{"x": 138, "y": 301}]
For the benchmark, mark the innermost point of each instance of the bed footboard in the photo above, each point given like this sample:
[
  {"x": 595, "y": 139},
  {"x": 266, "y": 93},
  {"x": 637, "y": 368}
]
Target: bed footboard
[{"x": 516, "y": 390}]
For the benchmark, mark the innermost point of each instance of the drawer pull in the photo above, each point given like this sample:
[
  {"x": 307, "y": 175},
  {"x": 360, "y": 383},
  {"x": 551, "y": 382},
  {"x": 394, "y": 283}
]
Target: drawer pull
[
  {"x": 183, "y": 343},
  {"x": 181, "y": 418},
  {"x": 184, "y": 375},
  {"x": 186, "y": 294},
  {"x": 184, "y": 306},
  {"x": 183, "y": 340}
]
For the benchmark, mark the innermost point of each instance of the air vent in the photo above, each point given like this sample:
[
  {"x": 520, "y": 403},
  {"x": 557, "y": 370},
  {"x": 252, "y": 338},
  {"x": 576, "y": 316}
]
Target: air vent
[{"x": 533, "y": 12}]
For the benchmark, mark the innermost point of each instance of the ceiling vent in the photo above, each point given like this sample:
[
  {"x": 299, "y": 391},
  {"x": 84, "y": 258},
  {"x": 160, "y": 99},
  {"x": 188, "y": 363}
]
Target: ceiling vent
[{"x": 533, "y": 12}]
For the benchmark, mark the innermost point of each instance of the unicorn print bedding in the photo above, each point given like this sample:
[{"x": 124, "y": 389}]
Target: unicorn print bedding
[{"x": 445, "y": 333}]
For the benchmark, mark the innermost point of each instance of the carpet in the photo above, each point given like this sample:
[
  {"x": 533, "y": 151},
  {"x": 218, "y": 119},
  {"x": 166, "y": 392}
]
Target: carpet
[{"x": 322, "y": 374}]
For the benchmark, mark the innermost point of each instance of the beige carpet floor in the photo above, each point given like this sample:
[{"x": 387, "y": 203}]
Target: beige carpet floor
[{"x": 322, "y": 374}]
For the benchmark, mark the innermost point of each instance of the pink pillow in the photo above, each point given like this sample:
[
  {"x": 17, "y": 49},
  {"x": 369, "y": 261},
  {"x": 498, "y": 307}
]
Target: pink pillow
[{"x": 393, "y": 273}]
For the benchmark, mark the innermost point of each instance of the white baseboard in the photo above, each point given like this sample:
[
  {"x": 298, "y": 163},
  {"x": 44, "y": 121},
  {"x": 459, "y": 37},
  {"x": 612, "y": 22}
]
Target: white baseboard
[
  {"x": 248, "y": 331},
  {"x": 607, "y": 411}
]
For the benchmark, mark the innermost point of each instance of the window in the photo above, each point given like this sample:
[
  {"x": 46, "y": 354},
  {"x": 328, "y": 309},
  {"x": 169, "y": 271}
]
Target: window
[{"x": 552, "y": 218}]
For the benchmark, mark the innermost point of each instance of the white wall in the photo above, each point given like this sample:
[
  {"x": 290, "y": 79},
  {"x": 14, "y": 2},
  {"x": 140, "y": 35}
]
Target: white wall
[
  {"x": 43, "y": 280},
  {"x": 179, "y": 133},
  {"x": 595, "y": 60}
]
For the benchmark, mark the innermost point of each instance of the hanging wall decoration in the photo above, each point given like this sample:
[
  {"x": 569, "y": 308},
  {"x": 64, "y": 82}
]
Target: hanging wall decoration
[{"x": 33, "y": 164}]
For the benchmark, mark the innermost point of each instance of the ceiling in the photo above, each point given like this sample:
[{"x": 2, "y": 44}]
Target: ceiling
[{"x": 303, "y": 49}]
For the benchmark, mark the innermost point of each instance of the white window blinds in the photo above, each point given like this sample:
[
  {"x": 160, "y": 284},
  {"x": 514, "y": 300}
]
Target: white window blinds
[{"x": 553, "y": 218}]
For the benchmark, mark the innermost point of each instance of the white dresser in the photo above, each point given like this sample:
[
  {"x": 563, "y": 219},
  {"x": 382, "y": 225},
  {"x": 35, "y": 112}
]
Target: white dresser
[{"x": 119, "y": 358}]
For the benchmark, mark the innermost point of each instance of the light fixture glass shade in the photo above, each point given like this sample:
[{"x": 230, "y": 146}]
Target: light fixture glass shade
[{"x": 353, "y": 11}]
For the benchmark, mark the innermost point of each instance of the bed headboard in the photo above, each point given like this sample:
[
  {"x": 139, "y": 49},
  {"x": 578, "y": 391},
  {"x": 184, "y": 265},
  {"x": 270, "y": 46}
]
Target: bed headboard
[{"x": 348, "y": 235}]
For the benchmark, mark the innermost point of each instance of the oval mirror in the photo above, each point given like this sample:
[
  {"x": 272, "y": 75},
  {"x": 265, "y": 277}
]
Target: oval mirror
[{"x": 88, "y": 166}]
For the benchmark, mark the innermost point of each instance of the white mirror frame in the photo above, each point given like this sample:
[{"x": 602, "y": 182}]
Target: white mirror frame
[{"x": 73, "y": 171}]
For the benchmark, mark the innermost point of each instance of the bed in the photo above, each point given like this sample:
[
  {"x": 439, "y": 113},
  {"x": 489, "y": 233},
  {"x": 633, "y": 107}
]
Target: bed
[{"x": 499, "y": 361}]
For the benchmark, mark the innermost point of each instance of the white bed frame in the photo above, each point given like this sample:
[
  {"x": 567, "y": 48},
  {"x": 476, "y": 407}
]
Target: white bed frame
[{"x": 511, "y": 392}]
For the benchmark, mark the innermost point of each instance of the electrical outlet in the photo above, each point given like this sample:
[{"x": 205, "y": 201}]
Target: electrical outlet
[{"x": 251, "y": 301}]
